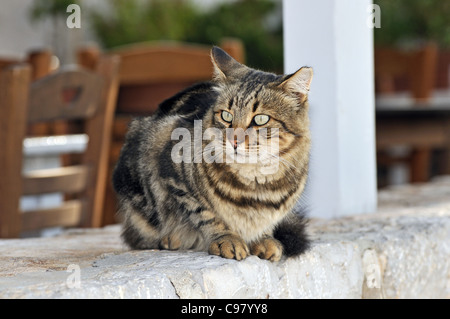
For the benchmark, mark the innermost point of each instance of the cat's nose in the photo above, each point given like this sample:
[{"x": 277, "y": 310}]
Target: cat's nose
[{"x": 235, "y": 142}]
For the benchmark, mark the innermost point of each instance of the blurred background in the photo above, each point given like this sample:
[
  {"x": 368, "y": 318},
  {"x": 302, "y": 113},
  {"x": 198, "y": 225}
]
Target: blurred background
[
  {"x": 411, "y": 62},
  {"x": 28, "y": 24}
]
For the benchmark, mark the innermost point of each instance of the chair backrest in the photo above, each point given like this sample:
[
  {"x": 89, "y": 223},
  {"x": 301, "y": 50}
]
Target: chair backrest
[
  {"x": 4, "y": 62},
  {"x": 69, "y": 94},
  {"x": 150, "y": 72},
  {"x": 39, "y": 60},
  {"x": 417, "y": 67},
  {"x": 41, "y": 64}
]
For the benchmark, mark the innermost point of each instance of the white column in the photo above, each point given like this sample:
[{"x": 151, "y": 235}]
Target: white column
[{"x": 332, "y": 36}]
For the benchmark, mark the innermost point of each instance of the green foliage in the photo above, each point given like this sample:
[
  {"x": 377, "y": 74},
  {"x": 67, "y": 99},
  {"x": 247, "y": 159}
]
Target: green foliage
[
  {"x": 131, "y": 21},
  {"x": 45, "y": 8},
  {"x": 245, "y": 20},
  {"x": 412, "y": 20}
]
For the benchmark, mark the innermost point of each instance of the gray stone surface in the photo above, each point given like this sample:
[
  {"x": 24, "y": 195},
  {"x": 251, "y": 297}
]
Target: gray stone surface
[{"x": 403, "y": 251}]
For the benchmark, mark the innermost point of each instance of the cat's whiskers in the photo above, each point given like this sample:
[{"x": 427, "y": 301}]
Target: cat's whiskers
[{"x": 281, "y": 160}]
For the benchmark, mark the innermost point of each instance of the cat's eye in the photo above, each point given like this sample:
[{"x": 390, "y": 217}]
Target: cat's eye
[
  {"x": 227, "y": 116},
  {"x": 261, "y": 119}
]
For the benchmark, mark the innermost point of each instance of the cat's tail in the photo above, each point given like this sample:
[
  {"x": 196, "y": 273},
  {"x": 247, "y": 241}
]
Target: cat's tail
[{"x": 291, "y": 232}]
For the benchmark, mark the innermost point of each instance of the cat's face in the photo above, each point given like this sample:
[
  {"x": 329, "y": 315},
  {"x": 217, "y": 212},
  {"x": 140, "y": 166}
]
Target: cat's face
[{"x": 262, "y": 116}]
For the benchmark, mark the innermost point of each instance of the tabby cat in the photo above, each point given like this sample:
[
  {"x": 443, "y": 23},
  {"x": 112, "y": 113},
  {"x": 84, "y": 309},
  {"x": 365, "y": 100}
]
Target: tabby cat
[{"x": 231, "y": 208}]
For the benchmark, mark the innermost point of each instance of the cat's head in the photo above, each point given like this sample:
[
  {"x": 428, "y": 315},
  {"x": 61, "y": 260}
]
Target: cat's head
[{"x": 272, "y": 110}]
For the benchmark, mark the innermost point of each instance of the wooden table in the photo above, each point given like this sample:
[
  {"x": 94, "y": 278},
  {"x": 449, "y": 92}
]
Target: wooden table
[{"x": 422, "y": 125}]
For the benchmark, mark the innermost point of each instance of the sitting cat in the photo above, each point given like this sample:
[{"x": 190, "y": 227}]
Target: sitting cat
[{"x": 224, "y": 203}]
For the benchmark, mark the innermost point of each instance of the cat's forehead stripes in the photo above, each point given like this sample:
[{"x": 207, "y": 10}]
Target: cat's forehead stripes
[
  {"x": 231, "y": 103},
  {"x": 253, "y": 93},
  {"x": 255, "y": 106},
  {"x": 246, "y": 96}
]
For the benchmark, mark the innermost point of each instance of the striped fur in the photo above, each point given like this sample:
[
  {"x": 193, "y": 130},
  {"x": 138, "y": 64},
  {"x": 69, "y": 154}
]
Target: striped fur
[{"x": 230, "y": 209}]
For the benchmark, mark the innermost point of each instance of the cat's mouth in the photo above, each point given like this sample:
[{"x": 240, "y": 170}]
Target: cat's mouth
[
  {"x": 239, "y": 154},
  {"x": 254, "y": 166},
  {"x": 244, "y": 155}
]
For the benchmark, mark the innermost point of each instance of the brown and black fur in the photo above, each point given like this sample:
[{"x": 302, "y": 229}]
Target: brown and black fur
[{"x": 228, "y": 209}]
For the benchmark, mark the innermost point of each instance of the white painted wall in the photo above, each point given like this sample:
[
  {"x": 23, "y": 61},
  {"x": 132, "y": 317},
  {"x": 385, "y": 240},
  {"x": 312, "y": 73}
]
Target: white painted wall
[
  {"x": 19, "y": 35},
  {"x": 329, "y": 35},
  {"x": 333, "y": 37}
]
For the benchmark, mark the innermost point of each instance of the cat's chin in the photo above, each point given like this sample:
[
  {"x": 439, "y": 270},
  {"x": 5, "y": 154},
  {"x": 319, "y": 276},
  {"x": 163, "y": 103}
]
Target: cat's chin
[
  {"x": 258, "y": 172},
  {"x": 248, "y": 159}
]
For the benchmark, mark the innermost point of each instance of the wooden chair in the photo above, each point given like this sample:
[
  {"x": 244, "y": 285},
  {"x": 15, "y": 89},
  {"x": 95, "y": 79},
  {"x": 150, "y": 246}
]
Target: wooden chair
[
  {"x": 71, "y": 93},
  {"x": 417, "y": 68},
  {"x": 39, "y": 60},
  {"x": 41, "y": 65},
  {"x": 150, "y": 73},
  {"x": 415, "y": 71}
]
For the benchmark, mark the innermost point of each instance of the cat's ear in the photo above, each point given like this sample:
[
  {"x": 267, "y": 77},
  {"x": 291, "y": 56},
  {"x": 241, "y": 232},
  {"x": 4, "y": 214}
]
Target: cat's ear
[
  {"x": 298, "y": 83},
  {"x": 225, "y": 66}
]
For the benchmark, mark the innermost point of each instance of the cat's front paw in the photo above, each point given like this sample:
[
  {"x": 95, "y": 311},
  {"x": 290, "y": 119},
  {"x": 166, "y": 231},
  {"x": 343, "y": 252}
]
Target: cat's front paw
[
  {"x": 171, "y": 242},
  {"x": 229, "y": 246},
  {"x": 267, "y": 248}
]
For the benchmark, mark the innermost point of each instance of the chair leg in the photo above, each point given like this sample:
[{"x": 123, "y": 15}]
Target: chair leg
[
  {"x": 14, "y": 84},
  {"x": 445, "y": 158},
  {"x": 420, "y": 166}
]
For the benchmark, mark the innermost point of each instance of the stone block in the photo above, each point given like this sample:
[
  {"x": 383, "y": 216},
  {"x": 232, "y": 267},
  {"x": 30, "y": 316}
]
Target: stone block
[{"x": 403, "y": 251}]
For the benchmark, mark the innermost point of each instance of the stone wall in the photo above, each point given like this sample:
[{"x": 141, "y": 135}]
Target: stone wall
[{"x": 403, "y": 251}]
